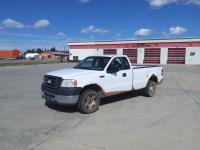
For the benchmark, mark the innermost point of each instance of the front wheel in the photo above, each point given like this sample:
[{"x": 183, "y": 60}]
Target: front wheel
[
  {"x": 150, "y": 89},
  {"x": 88, "y": 102}
]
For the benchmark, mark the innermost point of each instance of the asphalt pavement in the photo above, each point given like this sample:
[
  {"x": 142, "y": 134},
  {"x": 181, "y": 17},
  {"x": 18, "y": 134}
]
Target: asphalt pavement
[{"x": 168, "y": 121}]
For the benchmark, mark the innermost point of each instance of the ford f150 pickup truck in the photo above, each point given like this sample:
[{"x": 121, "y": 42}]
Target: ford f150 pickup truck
[{"x": 96, "y": 77}]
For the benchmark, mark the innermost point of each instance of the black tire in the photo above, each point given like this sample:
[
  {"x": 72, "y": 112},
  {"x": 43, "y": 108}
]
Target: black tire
[
  {"x": 150, "y": 89},
  {"x": 88, "y": 101}
]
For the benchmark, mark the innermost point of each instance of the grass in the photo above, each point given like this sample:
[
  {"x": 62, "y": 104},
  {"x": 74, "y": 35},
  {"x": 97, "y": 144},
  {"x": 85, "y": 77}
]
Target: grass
[{"x": 29, "y": 62}]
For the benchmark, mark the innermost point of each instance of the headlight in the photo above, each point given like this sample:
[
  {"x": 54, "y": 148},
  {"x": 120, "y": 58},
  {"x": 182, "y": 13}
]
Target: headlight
[{"x": 69, "y": 83}]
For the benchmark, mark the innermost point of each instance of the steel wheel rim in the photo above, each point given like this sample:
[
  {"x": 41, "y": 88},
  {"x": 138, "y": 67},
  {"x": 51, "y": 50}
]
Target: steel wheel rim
[
  {"x": 90, "y": 102},
  {"x": 152, "y": 88}
]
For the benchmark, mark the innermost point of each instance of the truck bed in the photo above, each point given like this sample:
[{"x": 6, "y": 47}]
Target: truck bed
[{"x": 144, "y": 66}]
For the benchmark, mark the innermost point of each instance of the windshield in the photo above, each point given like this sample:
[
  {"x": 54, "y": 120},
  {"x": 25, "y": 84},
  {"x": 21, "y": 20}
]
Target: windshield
[{"x": 93, "y": 63}]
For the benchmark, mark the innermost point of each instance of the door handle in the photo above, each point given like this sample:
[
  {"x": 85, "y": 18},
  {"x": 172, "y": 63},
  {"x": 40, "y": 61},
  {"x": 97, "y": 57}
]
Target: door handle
[
  {"x": 102, "y": 76},
  {"x": 124, "y": 74}
]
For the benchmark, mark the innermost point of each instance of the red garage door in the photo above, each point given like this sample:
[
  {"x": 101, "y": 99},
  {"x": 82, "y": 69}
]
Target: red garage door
[
  {"x": 132, "y": 55},
  {"x": 109, "y": 51},
  {"x": 152, "y": 56},
  {"x": 176, "y": 56}
]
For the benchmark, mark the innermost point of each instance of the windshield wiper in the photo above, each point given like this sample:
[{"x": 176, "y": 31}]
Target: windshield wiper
[{"x": 86, "y": 68}]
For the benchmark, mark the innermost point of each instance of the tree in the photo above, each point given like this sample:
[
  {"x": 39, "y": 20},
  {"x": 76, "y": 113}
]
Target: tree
[
  {"x": 39, "y": 51},
  {"x": 53, "y": 49},
  {"x": 33, "y": 50},
  {"x": 27, "y": 51}
]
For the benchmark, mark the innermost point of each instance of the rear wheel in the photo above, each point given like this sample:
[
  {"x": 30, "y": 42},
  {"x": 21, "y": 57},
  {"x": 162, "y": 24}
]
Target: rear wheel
[
  {"x": 88, "y": 101},
  {"x": 150, "y": 89}
]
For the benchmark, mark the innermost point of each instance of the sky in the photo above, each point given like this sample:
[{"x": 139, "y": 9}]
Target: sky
[{"x": 26, "y": 24}]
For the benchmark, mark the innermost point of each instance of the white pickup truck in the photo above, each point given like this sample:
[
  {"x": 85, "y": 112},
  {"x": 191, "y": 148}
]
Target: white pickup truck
[{"x": 96, "y": 77}]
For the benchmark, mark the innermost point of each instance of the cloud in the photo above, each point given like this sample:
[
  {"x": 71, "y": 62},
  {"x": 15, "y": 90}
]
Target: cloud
[
  {"x": 31, "y": 41},
  {"x": 10, "y": 23},
  {"x": 143, "y": 32},
  {"x": 161, "y": 3},
  {"x": 42, "y": 23},
  {"x": 194, "y": 2},
  {"x": 61, "y": 34},
  {"x": 28, "y": 35},
  {"x": 177, "y": 30},
  {"x": 93, "y": 29},
  {"x": 84, "y": 1}
]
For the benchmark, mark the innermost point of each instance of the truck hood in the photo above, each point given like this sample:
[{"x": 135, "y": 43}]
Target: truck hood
[{"x": 70, "y": 73}]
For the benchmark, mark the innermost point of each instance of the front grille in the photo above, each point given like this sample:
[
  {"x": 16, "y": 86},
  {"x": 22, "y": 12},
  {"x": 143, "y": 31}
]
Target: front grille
[{"x": 52, "y": 81}]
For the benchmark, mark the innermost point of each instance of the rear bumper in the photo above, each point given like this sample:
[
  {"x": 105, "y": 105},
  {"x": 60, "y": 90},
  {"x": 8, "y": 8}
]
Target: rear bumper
[{"x": 64, "y": 96}]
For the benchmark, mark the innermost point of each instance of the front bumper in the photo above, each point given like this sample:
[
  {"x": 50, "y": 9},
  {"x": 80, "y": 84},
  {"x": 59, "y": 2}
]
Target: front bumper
[
  {"x": 64, "y": 96},
  {"x": 60, "y": 99}
]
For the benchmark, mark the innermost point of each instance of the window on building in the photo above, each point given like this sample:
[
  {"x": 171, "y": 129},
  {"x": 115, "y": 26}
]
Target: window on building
[
  {"x": 192, "y": 54},
  {"x": 109, "y": 51},
  {"x": 75, "y": 58}
]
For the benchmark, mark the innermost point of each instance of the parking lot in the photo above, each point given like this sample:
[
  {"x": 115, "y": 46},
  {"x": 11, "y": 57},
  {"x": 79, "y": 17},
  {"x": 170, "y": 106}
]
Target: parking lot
[{"x": 168, "y": 121}]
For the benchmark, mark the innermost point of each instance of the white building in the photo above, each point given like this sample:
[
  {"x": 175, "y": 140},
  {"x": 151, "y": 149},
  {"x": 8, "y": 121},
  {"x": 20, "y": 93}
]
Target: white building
[{"x": 158, "y": 51}]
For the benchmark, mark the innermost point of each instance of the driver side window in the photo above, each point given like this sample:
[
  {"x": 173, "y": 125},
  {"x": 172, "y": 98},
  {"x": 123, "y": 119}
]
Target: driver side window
[{"x": 116, "y": 64}]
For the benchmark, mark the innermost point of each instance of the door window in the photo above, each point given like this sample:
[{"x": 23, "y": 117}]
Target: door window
[
  {"x": 119, "y": 63},
  {"x": 125, "y": 63},
  {"x": 116, "y": 64}
]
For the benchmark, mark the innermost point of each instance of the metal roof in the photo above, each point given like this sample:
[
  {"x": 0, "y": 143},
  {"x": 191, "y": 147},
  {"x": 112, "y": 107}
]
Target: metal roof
[{"x": 137, "y": 41}]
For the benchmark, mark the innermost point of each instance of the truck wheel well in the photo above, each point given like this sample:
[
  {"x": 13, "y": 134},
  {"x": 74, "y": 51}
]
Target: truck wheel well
[
  {"x": 94, "y": 87},
  {"x": 154, "y": 78}
]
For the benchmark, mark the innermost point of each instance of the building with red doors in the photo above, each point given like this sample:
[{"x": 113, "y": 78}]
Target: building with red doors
[{"x": 154, "y": 51}]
